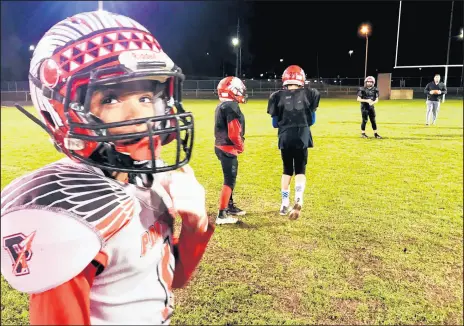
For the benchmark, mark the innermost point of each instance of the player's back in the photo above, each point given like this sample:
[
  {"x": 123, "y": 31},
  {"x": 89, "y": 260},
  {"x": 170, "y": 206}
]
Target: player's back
[
  {"x": 64, "y": 215},
  {"x": 293, "y": 107}
]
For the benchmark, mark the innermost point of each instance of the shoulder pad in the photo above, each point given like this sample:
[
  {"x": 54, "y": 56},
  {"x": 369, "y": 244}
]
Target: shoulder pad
[
  {"x": 97, "y": 201},
  {"x": 43, "y": 249},
  {"x": 275, "y": 94}
]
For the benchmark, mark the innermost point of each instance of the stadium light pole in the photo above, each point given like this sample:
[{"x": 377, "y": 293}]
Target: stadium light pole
[
  {"x": 365, "y": 31},
  {"x": 236, "y": 43},
  {"x": 461, "y": 37},
  {"x": 447, "y": 52}
]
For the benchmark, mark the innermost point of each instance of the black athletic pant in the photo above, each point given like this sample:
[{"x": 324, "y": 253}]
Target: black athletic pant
[
  {"x": 294, "y": 160},
  {"x": 229, "y": 165},
  {"x": 368, "y": 113}
]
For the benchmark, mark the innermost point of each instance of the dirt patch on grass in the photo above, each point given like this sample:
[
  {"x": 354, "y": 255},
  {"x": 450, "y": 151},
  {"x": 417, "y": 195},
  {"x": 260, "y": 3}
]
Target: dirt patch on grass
[
  {"x": 352, "y": 312},
  {"x": 363, "y": 263},
  {"x": 343, "y": 312}
]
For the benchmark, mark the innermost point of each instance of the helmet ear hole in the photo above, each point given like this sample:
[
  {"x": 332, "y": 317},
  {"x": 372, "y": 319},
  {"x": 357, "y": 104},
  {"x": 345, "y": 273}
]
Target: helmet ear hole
[
  {"x": 80, "y": 94},
  {"x": 47, "y": 116}
]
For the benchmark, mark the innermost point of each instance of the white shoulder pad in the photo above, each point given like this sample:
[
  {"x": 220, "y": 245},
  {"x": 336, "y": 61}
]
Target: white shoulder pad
[{"x": 42, "y": 249}]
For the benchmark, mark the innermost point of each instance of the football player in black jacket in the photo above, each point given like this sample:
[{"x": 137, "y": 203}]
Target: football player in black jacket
[
  {"x": 293, "y": 112},
  {"x": 368, "y": 96}
]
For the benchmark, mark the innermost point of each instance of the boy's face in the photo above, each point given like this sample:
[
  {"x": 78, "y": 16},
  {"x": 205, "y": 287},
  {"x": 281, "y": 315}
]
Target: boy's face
[{"x": 123, "y": 102}]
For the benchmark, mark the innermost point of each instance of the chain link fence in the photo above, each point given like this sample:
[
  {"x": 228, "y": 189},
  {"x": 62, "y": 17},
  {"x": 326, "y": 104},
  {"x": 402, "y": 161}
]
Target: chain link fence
[
  {"x": 18, "y": 91},
  {"x": 263, "y": 84}
]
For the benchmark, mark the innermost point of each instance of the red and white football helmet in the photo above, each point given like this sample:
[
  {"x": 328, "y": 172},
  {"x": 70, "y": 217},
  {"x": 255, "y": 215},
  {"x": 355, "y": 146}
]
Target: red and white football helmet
[
  {"x": 294, "y": 75},
  {"x": 92, "y": 50},
  {"x": 232, "y": 88},
  {"x": 371, "y": 79}
]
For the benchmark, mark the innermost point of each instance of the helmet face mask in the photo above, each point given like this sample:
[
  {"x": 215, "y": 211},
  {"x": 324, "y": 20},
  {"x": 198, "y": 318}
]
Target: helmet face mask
[
  {"x": 85, "y": 137},
  {"x": 161, "y": 126}
]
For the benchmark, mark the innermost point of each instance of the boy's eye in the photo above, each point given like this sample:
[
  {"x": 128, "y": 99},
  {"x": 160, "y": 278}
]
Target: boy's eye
[
  {"x": 109, "y": 100},
  {"x": 146, "y": 99}
]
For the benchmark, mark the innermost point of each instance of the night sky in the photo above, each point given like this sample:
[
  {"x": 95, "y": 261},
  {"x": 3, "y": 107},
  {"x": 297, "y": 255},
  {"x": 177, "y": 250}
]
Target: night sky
[{"x": 315, "y": 35}]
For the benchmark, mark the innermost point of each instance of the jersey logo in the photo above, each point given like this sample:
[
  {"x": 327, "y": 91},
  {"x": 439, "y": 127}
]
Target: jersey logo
[
  {"x": 19, "y": 247},
  {"x": 149, "y": 238}
]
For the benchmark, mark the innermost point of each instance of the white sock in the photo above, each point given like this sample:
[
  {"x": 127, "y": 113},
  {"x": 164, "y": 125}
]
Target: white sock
[
  {"x": 299, "y": 190},
  {"x": 285, "y": 197}
]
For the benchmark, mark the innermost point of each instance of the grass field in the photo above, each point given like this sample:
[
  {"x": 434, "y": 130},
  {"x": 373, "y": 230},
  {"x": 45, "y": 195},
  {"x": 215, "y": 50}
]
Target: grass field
[{"x": 380, "y": 239}]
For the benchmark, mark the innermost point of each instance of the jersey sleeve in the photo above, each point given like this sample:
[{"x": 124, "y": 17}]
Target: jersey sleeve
[
  {"x": 188, "y": 251},
  {"x": 234, "y": 128},
  {"x": 377, "y": 93},
  {"x": 272, "y": 108},
  {"x": 427, "y": 88},
  {"x": 443, "y": 88},
  {"x": 313, "y": 118},
  {"x": 68, "y": 303},
  {"x": 360, "y": 92},
  {"x": 313, "y": 97}
]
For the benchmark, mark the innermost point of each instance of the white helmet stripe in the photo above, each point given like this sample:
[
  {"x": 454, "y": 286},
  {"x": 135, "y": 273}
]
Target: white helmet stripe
[{"x": 93, "y": 23}]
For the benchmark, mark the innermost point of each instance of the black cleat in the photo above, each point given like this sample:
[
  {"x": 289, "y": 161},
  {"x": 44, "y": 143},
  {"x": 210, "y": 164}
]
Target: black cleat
[
  {"x": 364, "y": 136},
  {"x": 378, "y": 136},
  {"x": 234, "y": 210},
  {"x": 283, "y": 210}
]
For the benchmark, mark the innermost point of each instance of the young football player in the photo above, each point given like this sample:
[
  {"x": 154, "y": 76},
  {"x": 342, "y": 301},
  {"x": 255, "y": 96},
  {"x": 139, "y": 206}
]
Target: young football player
[
  {"x": 90, "y": 237},
  {"x": 293, "y": 112},
  {"x": 435, "y": 91},
  {"x": 368, "y": 96},
  {"x": 229, "y": 131}
]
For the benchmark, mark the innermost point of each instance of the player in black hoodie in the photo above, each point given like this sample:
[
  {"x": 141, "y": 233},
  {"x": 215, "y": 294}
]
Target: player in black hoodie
[{"x": 434, "y": 91}]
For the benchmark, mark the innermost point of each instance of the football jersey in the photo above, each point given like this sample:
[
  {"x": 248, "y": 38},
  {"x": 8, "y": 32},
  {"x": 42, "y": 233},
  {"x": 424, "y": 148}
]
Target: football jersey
[
  {"x": 133, "y": 223},
  {"x": 293, "y": 107},
  {"x": 368, "y": 94},
  {"x": 225, "y": 113},
  {"x": 229, "y": 126}
]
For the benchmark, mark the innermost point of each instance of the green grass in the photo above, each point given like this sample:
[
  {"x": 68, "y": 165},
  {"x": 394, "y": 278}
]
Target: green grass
[{"x": 380, "y": 240}]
